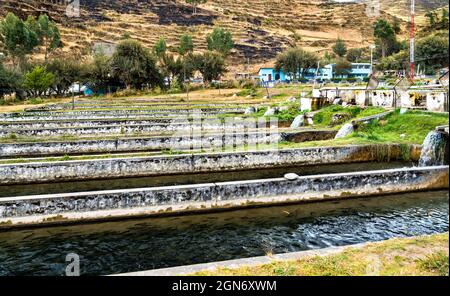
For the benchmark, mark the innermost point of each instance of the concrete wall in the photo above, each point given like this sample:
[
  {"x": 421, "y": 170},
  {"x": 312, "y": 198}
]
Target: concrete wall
[
  {"x": 213, "y": 125},
  {"x": 175, "y": 164},
  {"x": 147, "y": 201},
  {"x": 158, "y": 143},
  {"x": 121, "y": 111}
]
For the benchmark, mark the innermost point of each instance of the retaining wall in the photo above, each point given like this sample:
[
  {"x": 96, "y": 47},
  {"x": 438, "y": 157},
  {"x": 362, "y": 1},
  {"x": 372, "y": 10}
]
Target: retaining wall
[
  {"x": 145, "y": 144},
  {"x": 194, "y": 163},
  {"x": 60, "y": 208}
]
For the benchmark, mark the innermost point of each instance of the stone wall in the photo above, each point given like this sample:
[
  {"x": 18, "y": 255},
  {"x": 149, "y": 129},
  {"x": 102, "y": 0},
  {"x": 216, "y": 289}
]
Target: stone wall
[
  {"x": 192, "y": 163},
  {"x": 147, "y": 201}
]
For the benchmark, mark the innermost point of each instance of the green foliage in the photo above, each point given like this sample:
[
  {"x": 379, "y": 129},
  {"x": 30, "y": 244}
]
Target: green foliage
[
  {"x": 221, "y": 41},
  {"x": 414, "y": 125},
  {"x": 98, "y": 73},
  {"x": 340, "y": 48},
  {"x": 211, "y": 65},
  {"x": 355, "y": 55},
  {"x": 396, "y": 61},
  {"x": 186, "y": 45},
  {"x": 160, "y": 48},
  {"x": 18, "y": 38},
  {"x": 436, "y": 262},
  {"x": 67, "y": 71},
  {"x": 134, "y": 65},
  {"x": 10, "y": 81},
  {"x": 296, "y": 61},
  {"x": 385, "y": 35},
  {"x": 432, "y": 51},
  {"x": 38, "y": 81},
  {"x": 47, "y": 33}
]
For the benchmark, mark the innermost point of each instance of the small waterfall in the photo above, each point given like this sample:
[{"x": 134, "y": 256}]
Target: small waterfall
[{"x": 434, "y": 149}]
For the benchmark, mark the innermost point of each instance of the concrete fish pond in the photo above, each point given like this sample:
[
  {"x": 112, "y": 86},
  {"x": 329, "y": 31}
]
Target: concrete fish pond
[
  {"x": 71, "y": 207},
  {"x": 152, "y": 243},
  {"x": 157, "y": 143},
  {"x": 38, "y": 172}
]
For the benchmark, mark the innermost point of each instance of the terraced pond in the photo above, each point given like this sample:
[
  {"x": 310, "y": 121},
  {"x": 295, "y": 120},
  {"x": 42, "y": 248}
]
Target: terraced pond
[
  {"x": 183, "y": 179},
  {"x": 116, "y": 247}
]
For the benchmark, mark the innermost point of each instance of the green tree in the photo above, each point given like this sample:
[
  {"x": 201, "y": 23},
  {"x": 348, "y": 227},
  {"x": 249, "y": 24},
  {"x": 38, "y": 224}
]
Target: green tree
[
  {"x": 211, "y": 65},
  {"x": 340, "y": 48},
  {"x": 397, "y": 61},
  {"x": 10, "y": 81},
  {"x": 195, "y": 3},
  {"x": 220, "y": 40},
  {"x": 342, "y": 67},
  {"x": 385, "y": 35},
  {"x": 354, "y": 55},
  {"x": 186, "y": 45},
  {"x": 98, "y": 73},
  {"x": 295, "y": 61},
  {"x": 160, "y": 48},
  {"x": 432, "y": 52},
  {"x": 38, "y": 81},
  {"x": 48, "y": 34},
  {"x": 432, "y": 17},
  {"x": 18, "y": 38},
  {"x": 67, "y": 71},
  {"x": 134, "y": 65}
]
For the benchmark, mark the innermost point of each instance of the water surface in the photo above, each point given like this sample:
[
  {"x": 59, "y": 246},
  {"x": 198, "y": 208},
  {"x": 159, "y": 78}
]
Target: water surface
[{"x": 134, "y": 245}]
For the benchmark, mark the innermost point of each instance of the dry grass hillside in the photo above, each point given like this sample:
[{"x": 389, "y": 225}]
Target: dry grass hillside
[{"x": 261, "y": 28}]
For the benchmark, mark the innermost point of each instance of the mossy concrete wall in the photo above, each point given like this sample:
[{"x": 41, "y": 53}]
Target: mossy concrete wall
[
  {"x": 194, "y": 163},
  {"x": 63, "y": 208}
]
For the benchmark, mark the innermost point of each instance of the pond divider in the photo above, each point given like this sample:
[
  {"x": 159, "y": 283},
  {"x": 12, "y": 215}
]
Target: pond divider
[
  {"x": 89, "y": 169},
  {"x": 128, "y": 203},
  {"x": 215, "y": 140}
]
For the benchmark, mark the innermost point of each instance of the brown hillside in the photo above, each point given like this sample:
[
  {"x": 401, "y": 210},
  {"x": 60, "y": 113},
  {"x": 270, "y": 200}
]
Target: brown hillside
[{"x": 261, "y": 28}]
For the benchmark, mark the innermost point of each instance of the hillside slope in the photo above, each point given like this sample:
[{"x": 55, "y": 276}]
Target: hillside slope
[{"x": 261, "y": 28}]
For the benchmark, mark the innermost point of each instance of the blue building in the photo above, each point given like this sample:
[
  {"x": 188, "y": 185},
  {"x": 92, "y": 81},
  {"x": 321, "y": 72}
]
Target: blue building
[{"x": 358, "y": 71}]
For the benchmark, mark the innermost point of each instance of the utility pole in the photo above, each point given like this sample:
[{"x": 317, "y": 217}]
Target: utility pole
[
  {"x": 412, "y": 41},
  {"x": 372, "y": 47}
]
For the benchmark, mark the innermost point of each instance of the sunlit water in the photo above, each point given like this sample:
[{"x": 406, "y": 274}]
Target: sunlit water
[{"x": 133, "y": 245}]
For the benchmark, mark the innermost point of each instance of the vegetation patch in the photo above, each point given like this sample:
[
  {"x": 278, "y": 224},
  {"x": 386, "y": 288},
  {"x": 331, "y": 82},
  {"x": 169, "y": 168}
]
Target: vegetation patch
[{"x": 426, "y": 255}]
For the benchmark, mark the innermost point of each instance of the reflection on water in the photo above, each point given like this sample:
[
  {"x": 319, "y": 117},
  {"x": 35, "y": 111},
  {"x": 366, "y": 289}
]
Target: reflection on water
[
  {"x": 125, "y": 246},
  {"x": 80, "y": 186}
]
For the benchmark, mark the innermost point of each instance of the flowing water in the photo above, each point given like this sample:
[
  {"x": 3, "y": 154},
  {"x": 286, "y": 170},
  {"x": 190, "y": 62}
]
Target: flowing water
[
  {"x": 170, "y": 180},
  {"x": 133, "y": 245}
]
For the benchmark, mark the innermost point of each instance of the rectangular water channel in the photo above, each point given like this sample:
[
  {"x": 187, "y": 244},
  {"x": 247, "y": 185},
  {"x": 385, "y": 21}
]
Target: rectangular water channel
[
  {"x": 143, "y": 244},
  {"x": 171, "y": 180}
]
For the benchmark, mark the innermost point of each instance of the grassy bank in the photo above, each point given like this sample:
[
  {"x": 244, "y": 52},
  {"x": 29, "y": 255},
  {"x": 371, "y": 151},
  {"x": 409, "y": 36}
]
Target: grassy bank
[{"x": 426, "y": 255}]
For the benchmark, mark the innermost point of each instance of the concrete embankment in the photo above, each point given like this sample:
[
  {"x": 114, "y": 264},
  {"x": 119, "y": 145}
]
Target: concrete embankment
[
  {"x": 119, "y": 112},
  {"x": 91, "y": 206},
  {"x": 39, "y": 172},
  {"x": 130, "y": 129},
  {"x": 207, "y": 141}
]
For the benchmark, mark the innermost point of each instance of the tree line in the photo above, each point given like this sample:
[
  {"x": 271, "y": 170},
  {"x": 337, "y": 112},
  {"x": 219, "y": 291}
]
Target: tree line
[
  {"x": 131, "y": 66},
  {"x": 431, "y": 50}
]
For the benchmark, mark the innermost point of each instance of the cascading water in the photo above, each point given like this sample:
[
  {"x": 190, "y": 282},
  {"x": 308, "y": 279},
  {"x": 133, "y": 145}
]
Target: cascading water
[{"x": 434, "y": 149}]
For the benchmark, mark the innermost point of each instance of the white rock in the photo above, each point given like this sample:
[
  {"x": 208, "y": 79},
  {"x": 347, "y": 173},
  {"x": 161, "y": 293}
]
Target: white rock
[
  {"x": 345, "y": 130},
  {"x": 291, "y": 176},
  {"x": 309, "y": 121},
  {"x": 234, "y": 95},
  {"x": 271, "y": 111},
  {"x": 402, "y": 136},
  {"x": 298, "y": 121},
  {"x": 250, "y": 110},
  {"x": 403, "y": 110}
]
